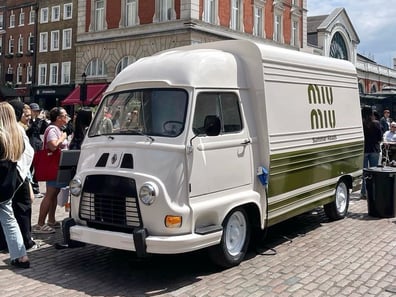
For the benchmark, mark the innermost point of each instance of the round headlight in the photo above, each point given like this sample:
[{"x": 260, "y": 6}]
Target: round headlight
[
  {"x": 148, "y": 193},
  {"x": 75, "y": 186}
]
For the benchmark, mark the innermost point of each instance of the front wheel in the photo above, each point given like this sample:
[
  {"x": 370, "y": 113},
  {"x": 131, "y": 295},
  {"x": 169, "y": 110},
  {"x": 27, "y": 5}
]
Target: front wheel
[
  {"x": 338, "y": 209},
  {"x": 234, "y": 241}
]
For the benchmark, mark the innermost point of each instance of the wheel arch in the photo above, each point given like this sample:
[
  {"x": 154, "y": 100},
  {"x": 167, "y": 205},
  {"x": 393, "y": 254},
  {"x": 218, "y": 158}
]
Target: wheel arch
[{"x": 348, "y": 180}]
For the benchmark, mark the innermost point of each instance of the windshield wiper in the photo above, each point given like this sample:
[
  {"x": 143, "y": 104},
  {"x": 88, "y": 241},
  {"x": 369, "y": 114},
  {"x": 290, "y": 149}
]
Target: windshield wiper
[{"x": 136, "y": 132}]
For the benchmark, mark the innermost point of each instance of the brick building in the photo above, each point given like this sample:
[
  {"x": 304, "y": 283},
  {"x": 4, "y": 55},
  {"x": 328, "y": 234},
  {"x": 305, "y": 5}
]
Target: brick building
[
  {"x": 113, "y": 34},
  {"x": 17, "y": 32},
  {"x": 55, "y": 52},
  {"x": 83, "y": 44}
]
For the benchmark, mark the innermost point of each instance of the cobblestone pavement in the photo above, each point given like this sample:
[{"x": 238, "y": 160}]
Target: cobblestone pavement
[{"x": 305, "y": 256}]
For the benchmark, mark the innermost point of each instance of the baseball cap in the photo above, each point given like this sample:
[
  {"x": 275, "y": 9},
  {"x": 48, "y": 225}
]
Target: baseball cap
[{"x": 34, "y": 106}]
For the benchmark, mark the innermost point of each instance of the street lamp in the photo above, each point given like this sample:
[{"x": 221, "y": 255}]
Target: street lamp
[{"x": 83, "y": 88}]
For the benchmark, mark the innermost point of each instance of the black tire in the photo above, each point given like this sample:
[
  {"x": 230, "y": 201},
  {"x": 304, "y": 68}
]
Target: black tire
[
  {"x": 234, "y": 242},
  {"x": 338, "y": 209}
]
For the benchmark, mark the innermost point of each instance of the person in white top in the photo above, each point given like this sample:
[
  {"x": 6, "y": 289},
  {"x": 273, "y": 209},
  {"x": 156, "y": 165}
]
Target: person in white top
[{"x": 390, "y": 136}]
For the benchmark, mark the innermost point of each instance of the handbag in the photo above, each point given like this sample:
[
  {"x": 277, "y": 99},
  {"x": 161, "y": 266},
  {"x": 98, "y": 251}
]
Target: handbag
[
  {"x": 10, "y": 180},
  {"x": 46, "y": 162}
]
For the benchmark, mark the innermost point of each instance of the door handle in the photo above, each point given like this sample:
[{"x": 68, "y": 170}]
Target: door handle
[{"x": 247, "y": 141}]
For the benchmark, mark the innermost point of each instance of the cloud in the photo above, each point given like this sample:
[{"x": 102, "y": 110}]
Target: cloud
[{"x": 374, "y": 22}]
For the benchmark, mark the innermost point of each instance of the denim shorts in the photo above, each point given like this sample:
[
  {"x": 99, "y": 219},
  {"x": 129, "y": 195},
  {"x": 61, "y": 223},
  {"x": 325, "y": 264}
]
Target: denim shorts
[{"x": 55, "y": 184}]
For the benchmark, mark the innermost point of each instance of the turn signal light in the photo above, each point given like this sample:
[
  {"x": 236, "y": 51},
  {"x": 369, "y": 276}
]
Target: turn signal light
[{"x": 173, "y": 221}]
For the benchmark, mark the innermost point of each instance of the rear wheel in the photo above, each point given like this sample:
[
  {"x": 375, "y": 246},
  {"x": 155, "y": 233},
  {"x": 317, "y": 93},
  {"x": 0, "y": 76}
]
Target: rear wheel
[
  {"x": 234, "y": 241},
  {"x": 338, "y": 209}
]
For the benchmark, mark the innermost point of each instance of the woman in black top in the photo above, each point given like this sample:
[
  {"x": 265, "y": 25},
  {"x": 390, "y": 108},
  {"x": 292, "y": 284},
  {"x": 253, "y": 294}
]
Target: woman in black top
[{"x": 372, "y": 139}]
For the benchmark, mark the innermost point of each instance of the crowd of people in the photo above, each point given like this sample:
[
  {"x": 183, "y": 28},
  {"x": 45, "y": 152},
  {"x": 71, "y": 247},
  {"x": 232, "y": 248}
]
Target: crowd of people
[
  {"x": 377, "y": 131},
  {"x": 24, "y": 130}
]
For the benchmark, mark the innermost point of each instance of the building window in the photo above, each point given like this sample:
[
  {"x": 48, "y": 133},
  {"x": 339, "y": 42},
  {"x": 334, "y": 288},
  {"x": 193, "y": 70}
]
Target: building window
[
  {"x": 29, "y": 73},
  {"x": 294, "y": 38},
  {"x": 131, "y": 13},
  {"x": 1, "y": 47},
  {"x": 258, "y": 21},
  {"x": 210, "y": 11},
  {"x": 236, "y": 15},
  {"x": 42, "y": 74},
  {"x": 124, "y": 62},
  {"x": 55, "y": 13},
  {"x": 65, "y": 75},
  {"x": 164, "y": 10},
  {"x": 338, "y": 48},
  {"x": 53, "y": 77},
  {"x": 21, "y": 18},
  {"x": 12, "y": 19},
  {"x": 67, "y": 11},
  {"x": 32, "y": 16},
  {"x": 11, "y": 45},
  {"x": 55, "y": 40},
  {"x": 44, "y": 15},
  {"x": 295, "y": 2},
  {"x": 67, "y": 39},
  {"x": 1, "y": 21},
  {"x": 99, "y": 15},
  {"x": 43, "y": 42},
  {"x": 20, "y": 44},
  {"x": 31, "y": 43},
  {"x": 19, "y": 74},
  {"x": 96, "y": 68},
  {"x": 277, "y": 28},
  {"x": 278, "y": 19}
]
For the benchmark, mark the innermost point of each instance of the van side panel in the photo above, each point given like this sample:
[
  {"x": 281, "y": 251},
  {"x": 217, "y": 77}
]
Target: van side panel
[{"x": 314, "y": 130}]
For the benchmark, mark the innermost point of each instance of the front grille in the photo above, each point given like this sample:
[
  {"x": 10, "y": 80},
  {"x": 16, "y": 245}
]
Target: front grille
[{"x": 110, "y": 203}]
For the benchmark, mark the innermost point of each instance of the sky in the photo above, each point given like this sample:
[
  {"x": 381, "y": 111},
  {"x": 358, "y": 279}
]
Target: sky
[{"x": 374, "y": 22}]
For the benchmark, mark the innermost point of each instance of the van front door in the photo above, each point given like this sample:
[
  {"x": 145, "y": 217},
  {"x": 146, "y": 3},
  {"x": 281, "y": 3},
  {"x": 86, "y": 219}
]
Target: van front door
[{"x": 223, "y": 161}]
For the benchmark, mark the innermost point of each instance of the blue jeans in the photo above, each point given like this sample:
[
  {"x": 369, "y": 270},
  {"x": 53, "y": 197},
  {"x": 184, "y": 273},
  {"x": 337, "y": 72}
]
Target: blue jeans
[
  {"x": 370, "y": 160},
  {"x": 12, "y": 233}
]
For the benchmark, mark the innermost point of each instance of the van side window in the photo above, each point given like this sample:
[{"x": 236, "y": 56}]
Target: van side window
[{"x": 223, "y": 105}]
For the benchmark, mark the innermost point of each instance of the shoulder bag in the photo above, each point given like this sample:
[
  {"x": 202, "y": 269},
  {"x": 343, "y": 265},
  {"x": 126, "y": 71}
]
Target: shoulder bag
[{"x": 46, "y": 162}]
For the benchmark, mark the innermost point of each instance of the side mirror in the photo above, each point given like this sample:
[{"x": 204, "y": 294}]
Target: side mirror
[{"x": 212, "y": 125}]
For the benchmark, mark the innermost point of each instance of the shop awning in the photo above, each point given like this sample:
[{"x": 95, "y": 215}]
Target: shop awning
[{"x": 94, "y": 91}]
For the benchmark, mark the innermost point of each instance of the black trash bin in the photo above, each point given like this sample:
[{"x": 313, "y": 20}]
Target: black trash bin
[{"x": 381, "y": 191}]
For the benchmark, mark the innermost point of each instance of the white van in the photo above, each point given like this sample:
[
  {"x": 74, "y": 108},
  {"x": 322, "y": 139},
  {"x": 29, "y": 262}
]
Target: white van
[{"x": 207, "y": 145}]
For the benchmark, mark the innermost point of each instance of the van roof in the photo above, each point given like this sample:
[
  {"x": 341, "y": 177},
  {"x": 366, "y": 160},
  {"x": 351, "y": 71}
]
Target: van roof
[{"x": 215, "y": 64}]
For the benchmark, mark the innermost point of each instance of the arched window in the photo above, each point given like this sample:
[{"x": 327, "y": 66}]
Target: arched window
[
  {"x": 338, "y": 47},
  {"x": 96, "y": 67},
  {"x": 124, "y": 62}
]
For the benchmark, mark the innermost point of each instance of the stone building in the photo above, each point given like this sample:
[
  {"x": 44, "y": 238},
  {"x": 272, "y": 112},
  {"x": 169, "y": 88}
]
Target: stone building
[{"x": 333, "y": 35}]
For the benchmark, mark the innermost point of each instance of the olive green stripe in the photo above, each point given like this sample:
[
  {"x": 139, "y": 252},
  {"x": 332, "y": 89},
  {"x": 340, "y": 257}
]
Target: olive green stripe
[
  {"x": 274, "y": 205},
  {"x": 290, "y": 171},
  {"x": 291, "y": 210}
]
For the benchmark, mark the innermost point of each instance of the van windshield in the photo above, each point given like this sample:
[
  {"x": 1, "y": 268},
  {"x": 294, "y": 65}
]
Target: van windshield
[{"x": 154, "y": 112}]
